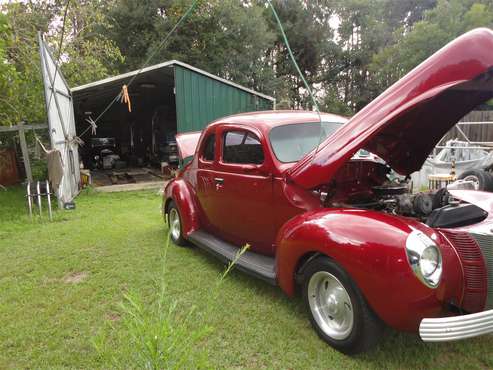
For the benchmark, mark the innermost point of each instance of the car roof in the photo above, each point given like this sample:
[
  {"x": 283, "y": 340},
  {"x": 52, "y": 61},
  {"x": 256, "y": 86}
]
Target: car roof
[{"x": 266, "y": 120}]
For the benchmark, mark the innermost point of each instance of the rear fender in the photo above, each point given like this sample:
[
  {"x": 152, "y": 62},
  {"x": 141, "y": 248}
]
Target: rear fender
[
  {"x": 370, "y": 247},
  {"x": 182, "y": 194}
]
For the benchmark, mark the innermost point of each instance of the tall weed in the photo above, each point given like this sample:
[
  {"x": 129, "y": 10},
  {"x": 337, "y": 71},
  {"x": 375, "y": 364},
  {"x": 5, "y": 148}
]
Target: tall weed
[{"x": 161, "y": 335}]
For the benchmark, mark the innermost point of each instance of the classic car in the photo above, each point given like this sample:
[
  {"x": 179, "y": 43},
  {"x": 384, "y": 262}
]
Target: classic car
[{"x": 362, "y": 250}]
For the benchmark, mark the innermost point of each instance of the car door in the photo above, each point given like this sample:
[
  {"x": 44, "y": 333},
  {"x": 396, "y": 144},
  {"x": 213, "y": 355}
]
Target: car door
[
  {"x": 205, "y": 187},
  {"x": 243, "y": 190}
]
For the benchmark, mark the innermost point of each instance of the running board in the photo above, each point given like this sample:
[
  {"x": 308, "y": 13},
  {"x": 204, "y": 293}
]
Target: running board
[{"x": 255, "y": 264}]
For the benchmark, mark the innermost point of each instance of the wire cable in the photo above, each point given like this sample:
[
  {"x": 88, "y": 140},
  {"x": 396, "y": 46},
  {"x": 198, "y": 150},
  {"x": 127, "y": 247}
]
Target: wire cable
[{"x": 293, "y": 59}]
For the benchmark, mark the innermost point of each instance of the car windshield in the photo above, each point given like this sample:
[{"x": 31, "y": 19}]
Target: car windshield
[{"x": 292, "y": 142}]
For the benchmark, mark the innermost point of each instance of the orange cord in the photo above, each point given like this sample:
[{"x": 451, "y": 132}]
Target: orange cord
[{"x": 126, "y": 98}]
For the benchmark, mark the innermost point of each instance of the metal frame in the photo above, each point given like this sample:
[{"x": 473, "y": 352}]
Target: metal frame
[
  {"x": 483, "y": 145},
  {"x": 37, "y": 126},
  {"x": 51, "y": 92},
  {"x": 30, "y": 198}
]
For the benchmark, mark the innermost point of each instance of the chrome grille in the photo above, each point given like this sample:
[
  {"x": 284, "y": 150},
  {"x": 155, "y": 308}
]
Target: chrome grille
[{"x": 485, "y": 242}]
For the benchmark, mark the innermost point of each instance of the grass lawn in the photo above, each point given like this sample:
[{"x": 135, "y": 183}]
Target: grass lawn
[{"x": 61, "y": 284}]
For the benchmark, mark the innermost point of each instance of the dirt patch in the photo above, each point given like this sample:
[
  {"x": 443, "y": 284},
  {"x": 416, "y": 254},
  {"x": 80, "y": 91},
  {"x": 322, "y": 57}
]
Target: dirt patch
[
  {"x": 113, "y": 316},
  {"x": 75, "y": 277}
]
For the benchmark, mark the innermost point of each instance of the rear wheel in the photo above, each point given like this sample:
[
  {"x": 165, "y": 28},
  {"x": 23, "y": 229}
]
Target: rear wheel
[
  {"x": 175, "y": 225},
  {"x": 338, "y": 311}
]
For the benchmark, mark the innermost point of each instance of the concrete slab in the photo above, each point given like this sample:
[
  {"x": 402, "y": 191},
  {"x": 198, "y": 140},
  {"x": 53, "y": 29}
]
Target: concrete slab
[{"x": 149, "y": 185}]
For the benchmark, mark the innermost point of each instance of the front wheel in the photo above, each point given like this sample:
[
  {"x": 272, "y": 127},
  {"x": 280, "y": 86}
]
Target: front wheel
[
  {"x": 338, "y": 311},
  {"x": 175, "y": 225}
]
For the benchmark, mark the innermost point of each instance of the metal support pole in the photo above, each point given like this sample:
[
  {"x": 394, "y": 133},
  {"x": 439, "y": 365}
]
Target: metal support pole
[
  {"x": 38, "y": 189},
  {"x": 48, "y": 195},
  {"x": 29, "y": 200},
  {"x": 462, "y": 133},
  {"x": 25, "y": 152}
]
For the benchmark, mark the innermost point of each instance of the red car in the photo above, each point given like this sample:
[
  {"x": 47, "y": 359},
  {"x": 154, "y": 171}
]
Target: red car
[{"x": 319, "y": 200}]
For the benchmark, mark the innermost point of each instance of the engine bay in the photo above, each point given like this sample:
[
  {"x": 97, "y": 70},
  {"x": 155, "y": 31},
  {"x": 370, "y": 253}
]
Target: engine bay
[{"x": 372, "y": 185}]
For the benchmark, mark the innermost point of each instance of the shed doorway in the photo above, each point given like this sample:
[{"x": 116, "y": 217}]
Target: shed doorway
[
  {"x": 131, "y": 143},
  {"x": 136, "y": 143}
]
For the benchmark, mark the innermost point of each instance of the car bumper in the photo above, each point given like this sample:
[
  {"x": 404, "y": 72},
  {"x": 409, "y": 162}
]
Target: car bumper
[{"x": 446, "y": 329}]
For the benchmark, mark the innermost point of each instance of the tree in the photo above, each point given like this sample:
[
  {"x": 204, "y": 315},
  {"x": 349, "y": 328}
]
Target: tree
[
  {"x": 306, "y": 24},
  {"x": 440, "y": 25},
  {"x": 364, "y": 28},
  {"x": 22, "y": 98},
  {"x": 228, "y": 38},
  {"x": 86, "y": 52},
  {"x": 89, "y": 54},
  {"x": 8, "y": 74},
  {"x": 348, "y": 50}
]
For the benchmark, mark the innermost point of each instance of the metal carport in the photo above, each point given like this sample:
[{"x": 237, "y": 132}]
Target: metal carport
[
  {"x": 200, "y": 97},
  {"x": 166, "y": 98}
]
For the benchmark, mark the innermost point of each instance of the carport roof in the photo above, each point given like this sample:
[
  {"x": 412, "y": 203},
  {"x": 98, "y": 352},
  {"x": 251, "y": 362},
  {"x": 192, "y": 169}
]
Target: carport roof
[{"x": 111, "y": 81}]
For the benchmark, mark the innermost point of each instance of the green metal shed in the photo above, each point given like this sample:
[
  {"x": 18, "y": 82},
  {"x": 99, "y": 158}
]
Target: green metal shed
[
  {"x": 166, "y": 99},
  {"x": 201, "y": 98},
  {"x": 197, "y": 96}
]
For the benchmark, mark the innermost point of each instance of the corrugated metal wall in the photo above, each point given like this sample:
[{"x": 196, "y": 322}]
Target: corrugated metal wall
[{"x": 200, "y": 100}]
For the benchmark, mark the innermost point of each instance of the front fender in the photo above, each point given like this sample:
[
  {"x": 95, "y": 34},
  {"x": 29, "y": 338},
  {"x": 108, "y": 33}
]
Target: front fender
[
  {"x": 182, "y": 194},
  {"x": 370, "y": 247}
]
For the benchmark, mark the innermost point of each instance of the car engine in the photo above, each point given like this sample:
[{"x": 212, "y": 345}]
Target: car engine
[
  {"x": 396, "y": 199},
  {"x": 372, "y": 185}
]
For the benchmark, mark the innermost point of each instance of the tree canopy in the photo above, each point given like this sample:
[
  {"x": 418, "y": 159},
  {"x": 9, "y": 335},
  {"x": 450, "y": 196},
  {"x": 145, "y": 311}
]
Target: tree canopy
[{"x": 348, "y": 50}]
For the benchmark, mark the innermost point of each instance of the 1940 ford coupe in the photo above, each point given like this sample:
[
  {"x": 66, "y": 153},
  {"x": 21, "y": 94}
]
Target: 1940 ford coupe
[{"x": 324, "y": 203}]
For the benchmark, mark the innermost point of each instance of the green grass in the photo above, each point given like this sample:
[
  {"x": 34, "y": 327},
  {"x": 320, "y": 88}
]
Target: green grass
[{"x": 113, "y": 244}]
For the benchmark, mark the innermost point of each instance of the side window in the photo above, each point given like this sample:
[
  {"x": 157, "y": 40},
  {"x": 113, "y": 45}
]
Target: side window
[
  {"x": 242, "y": 147},
  {"x": 209, "y": 148}
]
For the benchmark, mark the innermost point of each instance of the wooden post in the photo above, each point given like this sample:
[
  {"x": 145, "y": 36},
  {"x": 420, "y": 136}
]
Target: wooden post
[{"x": 25, "y": 152}]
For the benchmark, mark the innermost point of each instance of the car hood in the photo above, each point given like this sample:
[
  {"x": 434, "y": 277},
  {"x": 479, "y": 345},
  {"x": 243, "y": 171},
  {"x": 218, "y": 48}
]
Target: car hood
[
  {"x": 406, "y": 121},
  {"x": 187, "y": 143}
]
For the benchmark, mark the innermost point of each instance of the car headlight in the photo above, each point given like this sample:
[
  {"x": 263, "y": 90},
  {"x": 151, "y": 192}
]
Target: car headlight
[{"x": 425, "y": 258}]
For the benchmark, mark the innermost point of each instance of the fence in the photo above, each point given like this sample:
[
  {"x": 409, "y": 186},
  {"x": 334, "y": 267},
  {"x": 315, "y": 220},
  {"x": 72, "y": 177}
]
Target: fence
[
  {"x": 21, "y": 129},
  {"x": 480, "y": 131}
]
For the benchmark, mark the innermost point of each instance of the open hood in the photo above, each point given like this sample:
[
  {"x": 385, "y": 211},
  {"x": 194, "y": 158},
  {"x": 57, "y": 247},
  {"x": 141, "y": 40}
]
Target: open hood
[
  {"x": 187, "y": 143},
  {"x": 407, "y": 120}
]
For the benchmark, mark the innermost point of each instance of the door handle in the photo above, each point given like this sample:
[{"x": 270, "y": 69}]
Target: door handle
[{"x": 219, "y": 180}]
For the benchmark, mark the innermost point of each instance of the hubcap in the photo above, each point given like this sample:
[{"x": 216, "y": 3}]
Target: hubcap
[
  {"x": 474, "y": 180},
  {"x": 330, "y": 305},
  {"x": 174, "y": 224}
]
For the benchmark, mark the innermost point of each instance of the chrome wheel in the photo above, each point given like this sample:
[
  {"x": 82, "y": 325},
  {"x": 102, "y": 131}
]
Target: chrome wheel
[
  {"x": 474, "y": 179},
  {"x": 174, "y": 224},
  {"x": 330, "y": 305}
]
